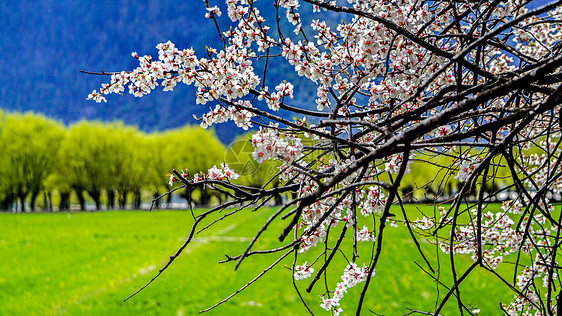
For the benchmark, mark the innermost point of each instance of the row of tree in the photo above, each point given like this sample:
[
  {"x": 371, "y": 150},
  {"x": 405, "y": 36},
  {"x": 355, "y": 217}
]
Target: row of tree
[
  {"x": 44, "y": 164},
  {"x": 111, "y": 165}
]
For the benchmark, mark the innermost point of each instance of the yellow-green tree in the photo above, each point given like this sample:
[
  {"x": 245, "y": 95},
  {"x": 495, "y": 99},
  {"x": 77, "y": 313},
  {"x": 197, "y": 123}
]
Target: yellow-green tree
[
  {"x": 85, "y": 155},
  {"x": 29, "y": 152},
  {"x": 190, "y": 148},
  {"x": 126, "y": 163},
  {"x": 6, "y": 191}
]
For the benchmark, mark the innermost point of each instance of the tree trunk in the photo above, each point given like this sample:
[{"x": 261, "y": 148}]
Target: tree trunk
[
  {"x": 136, "y": 199},
  {"x": 169, "y": 200},
  {"x": 110, "y": 199},
  {"x": 156, "y": 202},
  {"x": 64, "y": 204},
  {"x": 33, "y": 200},
  {"x": 96, "y": 196},
  {"x": 7, "y": 202},
  {"x": 81, "y": 199},
  {"x": 220, "y": 197},
  {"x": 123, "y": 200},
  {"x": 188, "y": 196},
  {"x": 47, "y": 198},
  {"x": 21, "y": 197},
  {"x": 205, "y": 197},
  {"x": 278, "y": 200}
]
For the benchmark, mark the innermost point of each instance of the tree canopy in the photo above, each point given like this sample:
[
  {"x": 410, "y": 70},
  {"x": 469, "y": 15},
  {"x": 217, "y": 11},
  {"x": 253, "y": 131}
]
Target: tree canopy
[
  {"x": 100, "y": 162},
  {"x": 29, "y": 146}
]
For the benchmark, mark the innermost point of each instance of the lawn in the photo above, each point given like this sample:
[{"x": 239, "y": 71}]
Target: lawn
[{"x": 87, "y": 263}]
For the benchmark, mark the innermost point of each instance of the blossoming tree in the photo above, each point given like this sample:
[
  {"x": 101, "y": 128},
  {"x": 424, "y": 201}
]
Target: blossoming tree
[{"x": 398, "y": 82}]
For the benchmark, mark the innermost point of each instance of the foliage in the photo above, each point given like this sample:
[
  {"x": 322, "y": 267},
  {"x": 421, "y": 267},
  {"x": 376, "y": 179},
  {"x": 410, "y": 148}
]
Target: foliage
[
  {"x": 108, "y": 161},
  {"x": 29, "y": 144},
  {"x": 200, "y": 151}
]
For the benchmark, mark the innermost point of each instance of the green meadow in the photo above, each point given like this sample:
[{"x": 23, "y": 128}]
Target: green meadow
[{"x": 86, "y": 263}]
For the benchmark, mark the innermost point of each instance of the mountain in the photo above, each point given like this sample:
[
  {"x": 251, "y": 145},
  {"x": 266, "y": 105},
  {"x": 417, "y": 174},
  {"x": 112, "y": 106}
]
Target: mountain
[{"x": 46, "y": 43}]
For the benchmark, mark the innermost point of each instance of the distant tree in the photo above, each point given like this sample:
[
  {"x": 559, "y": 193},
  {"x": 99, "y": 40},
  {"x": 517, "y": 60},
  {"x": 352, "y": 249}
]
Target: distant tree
[
  {"x": 7, "y": 196},
  {"x": 85, "y": 156},
  {"x": 59, "y": 185},
  {"x": 126, "y": 165},
  {"x": 200, "y": 150},
  {"x": 61, "y": 179},
  {"x": 29, "y": 146},
  {"x": 465, "y": 86},
  {"x": 158, "y": 164}
]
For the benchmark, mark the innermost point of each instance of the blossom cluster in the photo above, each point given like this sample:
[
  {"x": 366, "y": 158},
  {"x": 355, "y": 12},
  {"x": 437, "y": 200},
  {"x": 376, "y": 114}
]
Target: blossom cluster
[
  {"x": 375, "y": 201},
  {"x": 500, "y": 236},
  {"x": 533, "y": 38},
  {"x": 303, "y": 271},
  {"x": 365, "y": 235},
  {"x": 241, "y": 117},
  {"x": 226, "y": 75},
  {"x": 543, "y": 176},
  {"x": 271, "y": 144},
  {"x": 352, "y": 275},
  {"x": 224, "y": 173},
  {"x": 312, "y": 238},
  {"x": 466, "y": 167},
  {"x": 395, "y": 162}
]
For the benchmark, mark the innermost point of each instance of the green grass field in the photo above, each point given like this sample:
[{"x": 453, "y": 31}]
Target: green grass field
[{"x": 87, "y": 263}]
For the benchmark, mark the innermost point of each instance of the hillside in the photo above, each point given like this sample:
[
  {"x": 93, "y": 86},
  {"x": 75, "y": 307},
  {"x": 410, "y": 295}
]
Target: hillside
[{"x": 46, "y": 43}]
